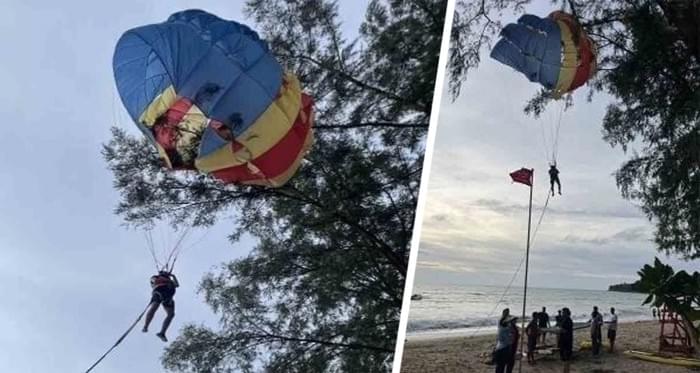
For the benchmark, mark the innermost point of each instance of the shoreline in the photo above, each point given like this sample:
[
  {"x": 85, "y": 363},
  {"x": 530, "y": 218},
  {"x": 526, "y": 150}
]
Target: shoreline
[
  {"x": 433, "y": 334},
  {"x": 455, "y": 354}
]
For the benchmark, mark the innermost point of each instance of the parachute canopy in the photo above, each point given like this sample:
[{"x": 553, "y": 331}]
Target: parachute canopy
[
  {"x": 553, "y": 51},
  {"x": 210, "y": 96}
]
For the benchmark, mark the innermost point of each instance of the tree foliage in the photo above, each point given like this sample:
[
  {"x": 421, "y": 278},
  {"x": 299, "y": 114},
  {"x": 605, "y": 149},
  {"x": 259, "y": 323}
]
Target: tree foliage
[
  {"x": 677, "y": 291},
  {"x": 649, "y": 62},
  {"x": 322, "y": 288}
]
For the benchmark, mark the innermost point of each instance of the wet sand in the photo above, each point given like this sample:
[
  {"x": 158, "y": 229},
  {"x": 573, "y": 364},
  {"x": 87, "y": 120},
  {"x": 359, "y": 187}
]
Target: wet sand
[{"x": 468, "y": 354}]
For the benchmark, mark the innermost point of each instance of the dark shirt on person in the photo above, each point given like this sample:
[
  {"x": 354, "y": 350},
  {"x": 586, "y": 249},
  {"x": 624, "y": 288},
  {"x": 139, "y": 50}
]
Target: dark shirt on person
[{"x": 567, "y": 325}]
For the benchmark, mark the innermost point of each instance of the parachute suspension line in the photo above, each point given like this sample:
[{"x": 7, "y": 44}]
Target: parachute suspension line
[
  {"x": 151, "y": 248},
  {"x": 114, "y": 108},
  {"x": 550, "y": 134},
  {"x": 120, "y": 338},
  {"x": 517, "y": 270},
  {"x": 175, "y": 251},
  {"x": 168, "y": 257},
  {"x": 555, "y": 147},
  {"x": 181, "y": 249},
  {"x": 544, "y": 143},
  {"x": 166, "y": 242}
]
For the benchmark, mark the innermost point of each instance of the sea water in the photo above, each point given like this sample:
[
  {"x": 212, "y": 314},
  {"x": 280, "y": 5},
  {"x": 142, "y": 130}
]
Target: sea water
[{"x": 474, "y": 310}]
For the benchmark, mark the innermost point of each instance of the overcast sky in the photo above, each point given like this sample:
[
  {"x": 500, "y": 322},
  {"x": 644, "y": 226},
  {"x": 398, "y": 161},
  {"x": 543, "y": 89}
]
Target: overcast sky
[
  {"x": 475, "y": 221},
  {"x": 71, "y": 278}
]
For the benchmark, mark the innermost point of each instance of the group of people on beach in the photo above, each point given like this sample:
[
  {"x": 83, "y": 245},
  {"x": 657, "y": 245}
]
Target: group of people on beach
[
  {"x": 536, "y": 330},
  {"x": 597, "y": 322},
  {"x": 508, "y": 335}
]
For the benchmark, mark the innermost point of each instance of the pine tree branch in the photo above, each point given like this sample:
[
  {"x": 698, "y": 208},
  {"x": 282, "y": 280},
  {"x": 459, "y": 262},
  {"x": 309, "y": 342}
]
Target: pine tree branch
[
  {"x": 352, "y": 346},
  {"x": 386, "y": 250},
  {"x": 357, "y": 82},
  {"x": 372, "y": 124},
  {"x": 603, "y": 21}
]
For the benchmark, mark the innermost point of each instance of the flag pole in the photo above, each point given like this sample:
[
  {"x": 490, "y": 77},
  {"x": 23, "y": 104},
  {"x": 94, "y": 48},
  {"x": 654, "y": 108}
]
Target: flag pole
[{"x": 527, "y": 262}]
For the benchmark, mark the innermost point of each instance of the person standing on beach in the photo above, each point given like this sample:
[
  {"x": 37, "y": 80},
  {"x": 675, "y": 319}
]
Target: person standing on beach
[
  {"x": 596, "y": 330},
  {"x": 557, "y": 319},
  {"x": 502, "y": 354},
  {"x": 557, "y": 323},
  {"x": 612, "y": 329},
  {"x": 566, "y": 335},
  {"x": 532, "y": 332},
  {"x": 653, "y": 312},
  {"x": 515, "y": 338},
  {"x": 543, "y": 323}
]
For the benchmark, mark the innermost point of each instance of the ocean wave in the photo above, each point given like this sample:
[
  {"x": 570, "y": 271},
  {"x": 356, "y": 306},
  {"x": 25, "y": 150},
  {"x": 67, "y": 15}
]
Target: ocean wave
[
  {"x": 446, "y": 325},
  {"x": 466, "y": 308},
  {"x": 437, "y": 325}
]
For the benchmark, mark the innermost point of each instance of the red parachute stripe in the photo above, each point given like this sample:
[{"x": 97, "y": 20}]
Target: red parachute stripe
[
  {"x": 166, "y": 133},
  {"x": 280, "y": 157},
  {"x": 165, "y": 128},
  {"x": 586, "y": 59},
  {"x": 523, "y": 176}
]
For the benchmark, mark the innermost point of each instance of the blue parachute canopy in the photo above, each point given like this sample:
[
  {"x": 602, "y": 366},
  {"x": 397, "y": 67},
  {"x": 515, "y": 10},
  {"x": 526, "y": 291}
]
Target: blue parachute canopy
[
  {"x": 533, "y": 47},
  {"x": 222, "y": 66}
]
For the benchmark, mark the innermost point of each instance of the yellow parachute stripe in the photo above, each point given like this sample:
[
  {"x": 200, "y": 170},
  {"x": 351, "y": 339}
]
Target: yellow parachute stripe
[
  {"x": 190, "y": 129},
  {"x": 569, "y": 62},
  {"x": 158, "y": 106},
  {"x": 265, "y": 132}
]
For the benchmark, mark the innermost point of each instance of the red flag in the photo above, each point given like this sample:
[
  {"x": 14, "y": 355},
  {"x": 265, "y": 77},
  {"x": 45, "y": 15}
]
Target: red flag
[{"x": 523, "y": 176}]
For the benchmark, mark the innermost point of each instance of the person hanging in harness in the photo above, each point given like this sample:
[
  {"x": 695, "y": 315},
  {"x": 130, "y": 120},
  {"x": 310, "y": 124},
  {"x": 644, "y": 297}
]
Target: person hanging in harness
[
  {"x": 554, "y": 177},
  {"x": 163, "y": 285}
]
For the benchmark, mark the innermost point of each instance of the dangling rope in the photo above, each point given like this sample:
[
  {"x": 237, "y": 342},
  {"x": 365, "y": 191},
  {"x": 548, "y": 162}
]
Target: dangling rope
[
  {"x": 120, "y": 339},
  {"x": 517, "y": 271}
]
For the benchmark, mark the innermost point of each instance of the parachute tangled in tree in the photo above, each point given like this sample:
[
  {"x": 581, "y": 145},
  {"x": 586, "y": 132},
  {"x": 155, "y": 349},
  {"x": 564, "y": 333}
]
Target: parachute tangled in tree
[
  {"x": 210, "y": 96},
  {"x": 554, "y": 51}
]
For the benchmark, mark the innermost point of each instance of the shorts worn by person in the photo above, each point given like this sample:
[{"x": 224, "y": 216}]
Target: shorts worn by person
[{"x": 163, "y": 285}]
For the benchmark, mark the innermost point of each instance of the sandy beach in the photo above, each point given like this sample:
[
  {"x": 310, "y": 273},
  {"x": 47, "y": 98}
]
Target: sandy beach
[{"x": 468, "y": 354}]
